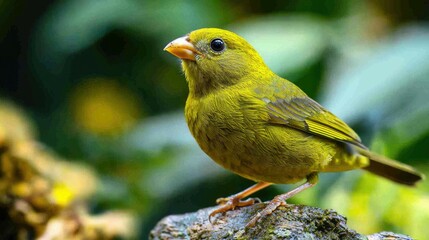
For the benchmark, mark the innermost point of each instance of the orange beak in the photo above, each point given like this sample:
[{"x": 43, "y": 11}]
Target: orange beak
[{"x": 182, "y": 48}]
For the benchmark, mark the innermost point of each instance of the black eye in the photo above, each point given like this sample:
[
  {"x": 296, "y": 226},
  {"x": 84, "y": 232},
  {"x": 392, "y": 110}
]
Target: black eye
[{"x": 217, "y": 45}]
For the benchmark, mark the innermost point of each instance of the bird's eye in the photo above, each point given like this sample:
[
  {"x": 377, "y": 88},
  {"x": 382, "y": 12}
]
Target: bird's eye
[{"x": 217, "y": 45}]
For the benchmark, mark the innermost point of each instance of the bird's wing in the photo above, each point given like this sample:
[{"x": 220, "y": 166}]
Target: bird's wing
[{"x": 305, "y": 114}]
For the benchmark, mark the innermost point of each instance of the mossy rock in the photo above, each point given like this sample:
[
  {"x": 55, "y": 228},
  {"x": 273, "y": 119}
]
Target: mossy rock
[{"x": 287, "y": 222}]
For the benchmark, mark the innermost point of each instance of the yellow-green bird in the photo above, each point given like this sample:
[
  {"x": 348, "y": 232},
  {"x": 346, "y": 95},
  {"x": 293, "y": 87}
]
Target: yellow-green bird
[{"x": 263, "y": 127}]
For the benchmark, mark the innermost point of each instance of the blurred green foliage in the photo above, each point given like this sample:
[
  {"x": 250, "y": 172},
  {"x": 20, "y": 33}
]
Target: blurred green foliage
[{"x": 93, "y": 77}]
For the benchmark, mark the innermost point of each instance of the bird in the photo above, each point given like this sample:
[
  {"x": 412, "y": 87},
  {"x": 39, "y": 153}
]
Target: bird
[{"x": 263, "y": 127}]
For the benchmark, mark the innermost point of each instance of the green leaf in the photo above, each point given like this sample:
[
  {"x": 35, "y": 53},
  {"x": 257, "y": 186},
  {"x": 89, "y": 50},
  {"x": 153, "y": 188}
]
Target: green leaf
[
  {"x": 391, "y": 73},
  {"x": 188, "y": 166},
  {"x": 72, "y": 25},
  {"x": 389, "y": 87},
  {"x": 288, "y": 43}
]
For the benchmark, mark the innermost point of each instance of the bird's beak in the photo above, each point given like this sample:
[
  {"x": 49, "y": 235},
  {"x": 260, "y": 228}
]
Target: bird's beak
[{"x": 182, "y": 48}]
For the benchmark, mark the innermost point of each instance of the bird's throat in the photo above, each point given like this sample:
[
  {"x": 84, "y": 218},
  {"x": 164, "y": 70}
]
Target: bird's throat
[{"x": 200, "y": 83}]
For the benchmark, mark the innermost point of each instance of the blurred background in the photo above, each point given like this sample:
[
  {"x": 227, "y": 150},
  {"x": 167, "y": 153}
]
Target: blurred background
[{"x": 93, "y": 106}]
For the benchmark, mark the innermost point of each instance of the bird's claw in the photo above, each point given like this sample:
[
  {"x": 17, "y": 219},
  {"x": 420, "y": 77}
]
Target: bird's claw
[
  {"x": 230, "y": 203},
  {"x": 270, "y": 208},
  {"x": 237, "y": 202},
  {"x": 222, "y": 201}
]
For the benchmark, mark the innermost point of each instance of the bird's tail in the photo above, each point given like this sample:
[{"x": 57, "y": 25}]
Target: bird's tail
[{"x": 391, "y": 169}]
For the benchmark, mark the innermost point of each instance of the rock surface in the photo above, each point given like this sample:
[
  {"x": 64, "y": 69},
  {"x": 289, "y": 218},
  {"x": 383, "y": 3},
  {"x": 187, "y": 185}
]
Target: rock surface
[{"x": 287, "y": 222}]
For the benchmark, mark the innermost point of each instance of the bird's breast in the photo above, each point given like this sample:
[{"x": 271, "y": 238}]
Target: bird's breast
[
  {"x": 222, "y": 127},
  {"x": 218, "y": 123},
  {"x": 233, "y": 131}
]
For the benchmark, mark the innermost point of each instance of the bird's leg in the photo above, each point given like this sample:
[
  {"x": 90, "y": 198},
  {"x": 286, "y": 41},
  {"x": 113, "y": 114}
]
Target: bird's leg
[
  {"x": 234, "y": 201},
  {"x": 279, "y": 200}
]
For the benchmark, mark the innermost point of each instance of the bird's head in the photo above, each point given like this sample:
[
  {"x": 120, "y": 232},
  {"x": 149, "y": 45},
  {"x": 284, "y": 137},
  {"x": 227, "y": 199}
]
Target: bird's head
[{"x": 213, "y": 59}]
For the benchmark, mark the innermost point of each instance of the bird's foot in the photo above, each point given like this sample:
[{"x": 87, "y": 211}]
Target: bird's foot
[
  {"x": 230, "y": 203},
  {"x": 270, "y": 208},
  {"x": 281, "y": 199}
]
